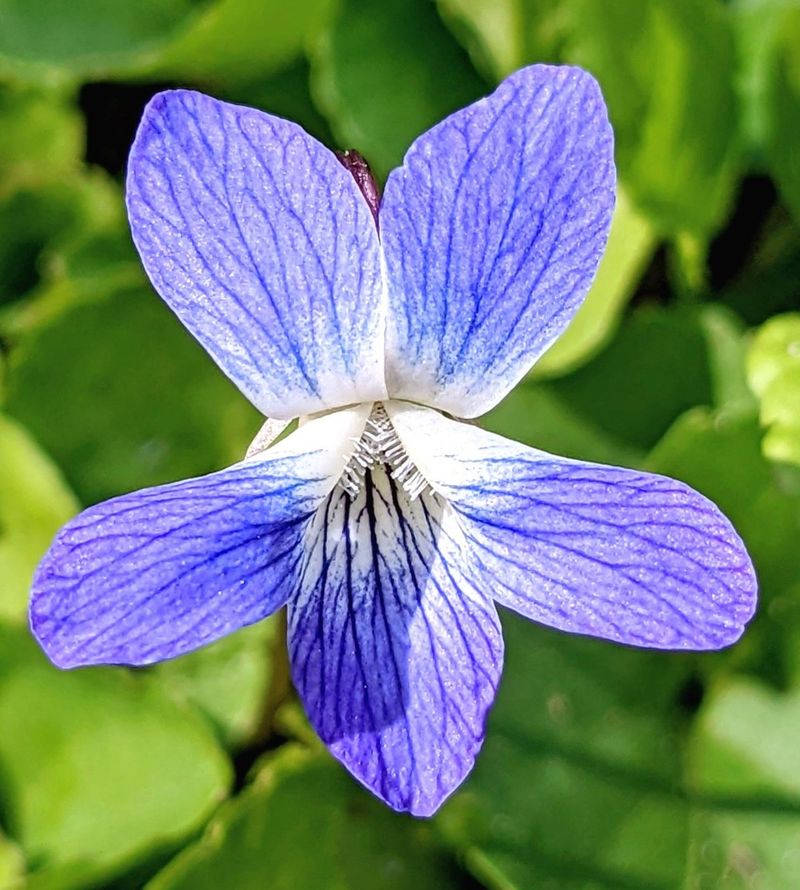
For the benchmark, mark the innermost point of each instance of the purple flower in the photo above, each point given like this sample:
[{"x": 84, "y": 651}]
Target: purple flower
[{"x": 387, "y": 528}]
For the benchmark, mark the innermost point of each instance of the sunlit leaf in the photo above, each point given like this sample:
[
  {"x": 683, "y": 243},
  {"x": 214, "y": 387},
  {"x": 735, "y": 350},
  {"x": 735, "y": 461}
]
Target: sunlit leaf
[
  {"x": 758, "y": 25},
  {"x": 667, "y": 71},
  {"x": 773, "y": 368},
  {"x": 98, "y": 765},
  {"x": 12, "y": 864},
  {"x": 42, "y": 136},
  {"x": 227, "y": 680},
  {"x": 503, "y": 35},
  {"x": 743, "y": 743},
  {"x": 34, "y": 503},
  {"x": 305, "y": 823},
  {"x": 743, "y": 766},
  {"x": 239, "y": 40},
  {"x": 727, "y": 342}
]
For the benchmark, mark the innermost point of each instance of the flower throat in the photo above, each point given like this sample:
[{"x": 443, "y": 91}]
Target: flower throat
[{"x": 380, "y": 446}]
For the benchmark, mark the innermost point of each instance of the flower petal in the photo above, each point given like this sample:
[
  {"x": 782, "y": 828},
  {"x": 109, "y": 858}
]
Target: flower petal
[
  {"x": 492, "y": 230},
  {"x": 156, "y": 573},
  {"x": 395, "y": 655},
  {"x": 625, "y": 555},
  {"x": 261, "y": 242}
]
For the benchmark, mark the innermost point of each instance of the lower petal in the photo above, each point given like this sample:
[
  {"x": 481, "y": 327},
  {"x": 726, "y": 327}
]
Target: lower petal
[
  {"x": 156, "y": 573},
  {"x": 395, "y": 655},
  {"x": 615, "y": 553}
]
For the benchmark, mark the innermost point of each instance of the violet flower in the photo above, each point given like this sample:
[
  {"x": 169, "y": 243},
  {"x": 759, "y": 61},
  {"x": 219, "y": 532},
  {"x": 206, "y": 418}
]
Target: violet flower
[{"x": 387, "y": 528}]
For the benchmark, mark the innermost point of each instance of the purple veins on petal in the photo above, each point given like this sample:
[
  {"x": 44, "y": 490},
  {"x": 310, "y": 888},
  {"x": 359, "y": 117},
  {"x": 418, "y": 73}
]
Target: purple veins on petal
[
  {"x": 162, "y": 571},
  {"x": 493, "y": 228},
  {"x": 614, "y": 553},
  {"x": 387, "y": 529},
  {"x": 159, "y": 572},
  {"x": 262, "y": 244},
  {"x": 395, "y": 654}
]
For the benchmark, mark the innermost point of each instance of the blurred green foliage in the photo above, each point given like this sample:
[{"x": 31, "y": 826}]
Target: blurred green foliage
[{"x": 604, "y": 767}]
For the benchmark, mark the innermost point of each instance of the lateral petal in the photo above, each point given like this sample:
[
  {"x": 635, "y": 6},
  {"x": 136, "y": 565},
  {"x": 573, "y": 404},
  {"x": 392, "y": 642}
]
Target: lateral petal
[
  {"x": 492, "y": 229},
  {"x": 263, "y": 245},
  {"x": 614, "y": 553},
  {"x": 395, "y": 655},
  {"x": 159, "y": 572}
]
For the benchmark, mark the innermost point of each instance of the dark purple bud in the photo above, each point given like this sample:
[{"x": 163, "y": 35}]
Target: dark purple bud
[{"x": 359, "y": 168}]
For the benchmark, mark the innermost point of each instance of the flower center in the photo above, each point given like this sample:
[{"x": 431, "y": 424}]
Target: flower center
[{"x": 380, "y": 446}]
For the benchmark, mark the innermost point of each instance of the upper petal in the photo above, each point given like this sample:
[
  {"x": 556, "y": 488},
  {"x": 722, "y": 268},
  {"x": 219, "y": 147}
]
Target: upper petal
[
  {"x": 625, "y": 555},
  {"x": 156, "y": 573},
  {"x": 395, "y": 654},
  {"x": 262, "y": 244},
  {"x": 492, "y": 231}
]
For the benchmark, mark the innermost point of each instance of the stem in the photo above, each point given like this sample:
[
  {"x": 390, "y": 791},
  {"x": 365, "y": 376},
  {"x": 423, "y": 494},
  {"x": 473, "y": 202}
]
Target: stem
[{"x": 279, "y": 687}]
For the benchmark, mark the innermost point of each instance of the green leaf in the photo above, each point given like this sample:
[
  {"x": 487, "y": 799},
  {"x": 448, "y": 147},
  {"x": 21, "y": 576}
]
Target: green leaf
[
  {"x": 757, "y": 26},
  {"x": 784, "y": 112},
  {"x": 98, "y": 766},
  {"x": 42, "y": 136},
  {"x": 123, "y": 397},
  {"x": 767, "y": 32},
  {"x": 630, "y": 247},
  {"x": 227, "y": 680},
  {"x": 774, "y": 352},
  {"x": 592, "y": 733},
  {"x": 379, "y": 74},
  {"x": 503, "y": 35},
  {"x": 667, "y": 71},
  {"x": 727, "y": 351},
  {"x": 656, "y": 368},
  {"x": 745, "y": 743},
  {"x": 304, "y": 823},
  {"x": 743, "y": 765},
  {"x": 536, "y": 414},
  {"x": 41, "y": 222},
  {"x": 40, "y": 39},
  {"x": 617, "y": 406},
  {"x": 12, "y": 864},
  {"x": 34, "y": 504},
  {"x": 770, "y": 283},
  {"x": 578, "y": 785},
  {"x": 237, "y": 41},
  {"x": 773, "y": 368},
  {"x": 739, "y": 849}
]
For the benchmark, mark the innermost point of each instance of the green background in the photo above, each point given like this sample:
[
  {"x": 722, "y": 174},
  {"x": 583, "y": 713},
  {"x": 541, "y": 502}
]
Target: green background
[{"x": 604, "y": 767}]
